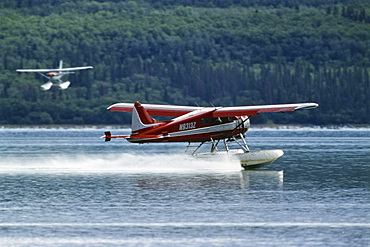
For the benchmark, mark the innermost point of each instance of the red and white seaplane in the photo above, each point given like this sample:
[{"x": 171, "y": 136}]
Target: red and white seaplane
[{"x": 202, "y": 125}]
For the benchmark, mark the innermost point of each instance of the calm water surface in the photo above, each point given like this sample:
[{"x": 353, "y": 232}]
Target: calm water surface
[{"x": 67, "y": 187}]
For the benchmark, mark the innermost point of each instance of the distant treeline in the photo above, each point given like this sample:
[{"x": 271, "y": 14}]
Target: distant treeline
[{"x": 220, "y": 52}]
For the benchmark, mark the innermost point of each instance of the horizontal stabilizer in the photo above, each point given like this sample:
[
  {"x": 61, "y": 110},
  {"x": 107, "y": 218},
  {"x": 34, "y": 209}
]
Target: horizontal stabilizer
[{"x": 108, "y": 136}]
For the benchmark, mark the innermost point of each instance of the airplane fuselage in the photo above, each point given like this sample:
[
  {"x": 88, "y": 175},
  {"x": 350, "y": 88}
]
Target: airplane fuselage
[
  {"x": 56, "y": 76},
  {"x": 192, "y": 130}
]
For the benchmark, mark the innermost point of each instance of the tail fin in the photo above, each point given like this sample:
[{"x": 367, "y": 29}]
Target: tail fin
[
  {"x": 141, "y": 118},
  {"x": 60, "y": 64}
]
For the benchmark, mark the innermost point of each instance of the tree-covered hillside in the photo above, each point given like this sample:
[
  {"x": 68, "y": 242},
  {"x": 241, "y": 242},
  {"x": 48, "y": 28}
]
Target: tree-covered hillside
[{"x": 220, "y": 52}]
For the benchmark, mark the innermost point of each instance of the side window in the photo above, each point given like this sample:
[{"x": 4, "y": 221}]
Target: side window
[
  {"x": 221, "y": 120},
  {"x": 216, "y": 120},
  {"x": 204, "y": 120},
  {"x": 225, "y": 120}
]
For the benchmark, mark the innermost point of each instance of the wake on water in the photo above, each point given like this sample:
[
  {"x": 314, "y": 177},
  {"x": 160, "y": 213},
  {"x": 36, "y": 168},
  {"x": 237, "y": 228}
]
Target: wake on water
[
  {"x": 30, "y": 150},
  {"x": 121, "y": 163}
]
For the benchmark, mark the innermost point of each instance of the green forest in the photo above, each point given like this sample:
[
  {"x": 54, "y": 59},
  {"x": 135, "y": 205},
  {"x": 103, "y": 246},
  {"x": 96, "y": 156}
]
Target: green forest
[{"x": 186, "y": 52}]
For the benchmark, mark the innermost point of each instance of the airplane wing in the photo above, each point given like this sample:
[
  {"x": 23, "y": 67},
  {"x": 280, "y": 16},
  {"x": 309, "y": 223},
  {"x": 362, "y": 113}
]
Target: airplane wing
[
  {"x": 156, "y": 110},
  {"x": 36, "y": 70},
  {"x": 254, "y": 110},
  {"x": 54, "y": 70},
  {"x": 176, "y": 111},
  {"x": 74, "y": 69}
]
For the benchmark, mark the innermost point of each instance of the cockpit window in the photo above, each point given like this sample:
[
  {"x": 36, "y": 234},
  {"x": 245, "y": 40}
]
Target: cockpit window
[
  {"x": 221, "y": 120},
  {"x": 204, "y": 120}
]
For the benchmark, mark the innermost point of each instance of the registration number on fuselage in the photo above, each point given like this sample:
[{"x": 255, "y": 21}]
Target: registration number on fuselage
[{"x": 187, "y": 126}]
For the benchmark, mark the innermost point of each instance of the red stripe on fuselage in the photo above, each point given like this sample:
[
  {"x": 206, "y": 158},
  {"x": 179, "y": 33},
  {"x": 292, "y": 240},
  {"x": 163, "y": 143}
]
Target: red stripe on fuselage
[{"x": 186, "y": 138}]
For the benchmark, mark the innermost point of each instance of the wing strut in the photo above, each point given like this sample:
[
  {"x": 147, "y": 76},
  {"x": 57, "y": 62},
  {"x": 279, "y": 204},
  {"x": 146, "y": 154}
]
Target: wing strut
[
  {"x": 244, "y": 146},
  {"x": 196, "y": 149}
]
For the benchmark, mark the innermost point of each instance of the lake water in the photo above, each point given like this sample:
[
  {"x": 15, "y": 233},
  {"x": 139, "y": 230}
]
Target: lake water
[{"x": 67, "y": 187}]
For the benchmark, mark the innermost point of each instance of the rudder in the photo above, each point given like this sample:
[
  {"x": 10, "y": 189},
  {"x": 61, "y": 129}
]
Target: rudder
[{"x": 141, "y": 118}]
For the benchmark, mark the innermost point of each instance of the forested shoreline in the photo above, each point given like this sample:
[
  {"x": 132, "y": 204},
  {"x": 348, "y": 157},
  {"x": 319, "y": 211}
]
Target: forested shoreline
[{"x": 219, "y": 52}]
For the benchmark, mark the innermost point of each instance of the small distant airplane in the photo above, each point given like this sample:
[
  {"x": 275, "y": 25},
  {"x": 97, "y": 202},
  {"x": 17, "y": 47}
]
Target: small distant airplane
[
  {"x": 54, "y": 75},
  {"x": 202, "y": 125}
]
